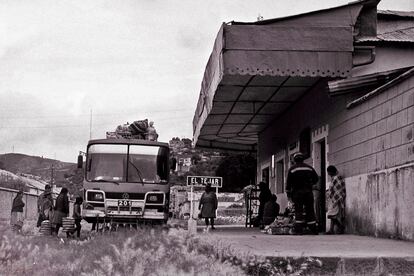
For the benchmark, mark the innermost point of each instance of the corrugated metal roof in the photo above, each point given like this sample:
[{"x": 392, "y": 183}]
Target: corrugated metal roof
[
  {"x": 388, "y": 13},
  {"x": 403, "y": 35},
  {"x": 285, "y": 18},
  {"x": 382, "y": 88},
  {"x": 362, "y": 83}
]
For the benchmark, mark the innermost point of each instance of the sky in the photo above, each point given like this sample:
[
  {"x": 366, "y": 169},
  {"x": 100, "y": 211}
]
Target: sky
[{"x": 74, "y": 69}]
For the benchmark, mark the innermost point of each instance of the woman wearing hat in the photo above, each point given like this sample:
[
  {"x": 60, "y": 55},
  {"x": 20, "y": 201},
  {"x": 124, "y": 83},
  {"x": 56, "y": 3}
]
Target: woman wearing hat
[
  {"x": 16, "y": 219},
  {"x": 61, "y": 209}
]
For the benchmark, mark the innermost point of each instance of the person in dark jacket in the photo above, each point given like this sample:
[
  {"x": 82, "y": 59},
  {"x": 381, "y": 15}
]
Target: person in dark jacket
[
  {"x": 208, "y": 206},
  {"x": 44, "y": 205},
  {"x": 264, "y": 196},
  {"x": 300, "y": 180},
  {"x": 271, "y": 210},
  {"x": 61, "y": 209},
  {"x": 16, "y": 219},
  {"x": 77, "y": 215}
]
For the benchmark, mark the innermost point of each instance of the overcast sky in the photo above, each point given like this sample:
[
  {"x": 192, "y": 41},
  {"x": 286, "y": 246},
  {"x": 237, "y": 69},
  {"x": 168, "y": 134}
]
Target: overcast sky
[{"x": 123, "y": 60}]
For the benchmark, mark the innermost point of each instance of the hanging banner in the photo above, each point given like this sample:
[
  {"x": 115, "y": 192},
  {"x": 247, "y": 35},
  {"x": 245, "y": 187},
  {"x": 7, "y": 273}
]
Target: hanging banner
[{"x": 214, "y": 181}]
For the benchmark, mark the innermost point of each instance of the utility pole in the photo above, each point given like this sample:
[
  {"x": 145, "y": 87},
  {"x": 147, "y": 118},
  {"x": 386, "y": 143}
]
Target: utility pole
[
  {"x": 52, "y": 180},
  {"x": 90, "y": 126}
]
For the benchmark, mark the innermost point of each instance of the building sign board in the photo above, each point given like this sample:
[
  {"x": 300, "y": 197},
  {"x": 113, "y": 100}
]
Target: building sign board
[{"x": 214, "y": 181}]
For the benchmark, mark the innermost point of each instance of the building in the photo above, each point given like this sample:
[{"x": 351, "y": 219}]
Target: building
[{"x": 336, "y": 84}]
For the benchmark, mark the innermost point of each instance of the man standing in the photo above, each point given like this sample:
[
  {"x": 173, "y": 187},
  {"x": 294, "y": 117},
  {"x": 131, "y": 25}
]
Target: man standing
[
  {"x": 300, "y": 179},
  {"x": 44, "y": 205}
]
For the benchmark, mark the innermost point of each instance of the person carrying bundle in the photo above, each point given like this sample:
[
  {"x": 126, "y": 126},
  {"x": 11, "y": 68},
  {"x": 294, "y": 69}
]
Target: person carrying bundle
[
  {"x": 61, "y": 209},
  {"x": 44, "y": 205}
]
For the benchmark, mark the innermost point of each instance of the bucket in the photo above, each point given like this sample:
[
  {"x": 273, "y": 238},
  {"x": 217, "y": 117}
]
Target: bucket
[
  {"x": 45, "y": 228},
  {"x": 68, "y": 224}
]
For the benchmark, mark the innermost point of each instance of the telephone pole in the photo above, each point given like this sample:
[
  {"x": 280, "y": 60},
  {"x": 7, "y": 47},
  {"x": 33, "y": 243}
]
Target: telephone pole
[
  {"x": 52, "y": 180},
  {"x": 90, "y": 126}
]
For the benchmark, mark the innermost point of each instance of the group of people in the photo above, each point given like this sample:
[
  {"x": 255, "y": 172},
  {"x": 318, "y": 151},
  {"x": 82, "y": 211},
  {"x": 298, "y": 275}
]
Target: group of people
[
  {"x": 300, "y": 186},
  {"x": 48, "y": 210}
]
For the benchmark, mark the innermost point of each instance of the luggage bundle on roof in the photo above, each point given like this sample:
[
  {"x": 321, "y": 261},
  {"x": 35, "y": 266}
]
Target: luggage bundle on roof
[{"x": 137, "y": 130}]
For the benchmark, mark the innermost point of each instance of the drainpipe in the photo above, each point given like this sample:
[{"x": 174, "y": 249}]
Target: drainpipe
[{"x": 363, "y": 49}]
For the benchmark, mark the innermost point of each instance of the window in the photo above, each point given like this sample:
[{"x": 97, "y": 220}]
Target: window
[
  {"x": 127, "y": 163},
  {"x": 305, "y": 142}
]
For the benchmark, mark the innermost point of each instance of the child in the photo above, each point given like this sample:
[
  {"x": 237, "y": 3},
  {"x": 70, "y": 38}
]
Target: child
[{"x": 77, "y": 215}]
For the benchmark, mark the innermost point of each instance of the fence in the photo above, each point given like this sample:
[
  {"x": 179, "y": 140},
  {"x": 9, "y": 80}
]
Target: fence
[{"x": 231, "y": 212}]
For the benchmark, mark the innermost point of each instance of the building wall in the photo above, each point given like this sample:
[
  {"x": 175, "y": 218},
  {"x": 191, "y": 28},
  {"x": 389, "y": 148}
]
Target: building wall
[
  {"x": 6, "y": 200},
  {"x": 372, "y": 145},
  {"x": 374, "y": 149}
]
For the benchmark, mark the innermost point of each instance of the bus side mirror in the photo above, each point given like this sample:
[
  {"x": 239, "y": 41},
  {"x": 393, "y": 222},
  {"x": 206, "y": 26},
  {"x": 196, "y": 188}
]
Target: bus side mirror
[{"x": 80, "y": 161}]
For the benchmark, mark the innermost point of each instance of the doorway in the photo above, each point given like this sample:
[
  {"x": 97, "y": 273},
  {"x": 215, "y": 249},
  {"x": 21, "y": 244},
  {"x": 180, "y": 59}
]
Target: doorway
[
  {"x": 319, "y": 196},
  {"x": 265, "y": 176}
]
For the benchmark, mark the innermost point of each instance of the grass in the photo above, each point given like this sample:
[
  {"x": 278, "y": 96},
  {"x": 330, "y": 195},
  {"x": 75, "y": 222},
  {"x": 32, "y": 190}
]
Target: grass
[{"x": 146, "y": 251}]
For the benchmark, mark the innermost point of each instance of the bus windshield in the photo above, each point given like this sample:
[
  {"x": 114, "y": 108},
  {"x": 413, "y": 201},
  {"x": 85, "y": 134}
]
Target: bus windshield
[{"x": 127, "y": 163}]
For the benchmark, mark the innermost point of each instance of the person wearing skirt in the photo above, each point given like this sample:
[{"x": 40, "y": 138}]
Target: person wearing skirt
[
  {"x": 17, "y": 218},
  {"x": 208, "y": 206}
]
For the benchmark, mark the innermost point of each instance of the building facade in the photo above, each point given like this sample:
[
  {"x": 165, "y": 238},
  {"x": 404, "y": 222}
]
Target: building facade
[{"x": 337, "y": 85}]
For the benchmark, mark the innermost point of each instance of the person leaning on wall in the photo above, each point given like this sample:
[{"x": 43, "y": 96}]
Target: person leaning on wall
[
  {"x": 17, "y": 217},
  {"x": 335, "y": 195}
]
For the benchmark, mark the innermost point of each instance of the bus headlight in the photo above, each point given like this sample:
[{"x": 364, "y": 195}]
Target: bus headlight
[
  {"x": 94, "y": 196},
  {"x": 155, "y": 198}
]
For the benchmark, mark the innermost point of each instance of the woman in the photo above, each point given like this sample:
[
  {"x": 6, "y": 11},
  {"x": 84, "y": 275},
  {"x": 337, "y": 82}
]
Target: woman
[
  {"x": 264, "y": 196},
  {"x": 336, "y": 201},
  {"x": 61, "y": 209},
  {"x": 270, "y": 211},
  {"x": 16, "y": 219},
  {"x": 208, "y": 206}
]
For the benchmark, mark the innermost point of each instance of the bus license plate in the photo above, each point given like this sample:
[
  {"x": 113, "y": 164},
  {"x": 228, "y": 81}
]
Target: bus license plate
[{"x": 124, "y": 203}]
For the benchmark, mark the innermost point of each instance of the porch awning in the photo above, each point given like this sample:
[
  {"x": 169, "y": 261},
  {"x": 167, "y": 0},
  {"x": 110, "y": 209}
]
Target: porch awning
[{"x": 257, "y": 71}]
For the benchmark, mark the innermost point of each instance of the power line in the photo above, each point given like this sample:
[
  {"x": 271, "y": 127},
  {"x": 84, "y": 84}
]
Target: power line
[
  {"x": 81, "y": 125},
  {"x": 88, "y": 114}
]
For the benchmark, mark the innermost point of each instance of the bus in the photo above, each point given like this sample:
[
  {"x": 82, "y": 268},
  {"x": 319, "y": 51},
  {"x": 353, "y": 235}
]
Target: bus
[{"x": 126, "y": 181}]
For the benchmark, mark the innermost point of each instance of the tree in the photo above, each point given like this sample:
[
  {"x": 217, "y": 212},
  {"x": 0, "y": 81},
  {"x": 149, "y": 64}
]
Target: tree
[
  {"x": 237, "y": 171},
  {"x": 195, "y": 158},
  {"x": 187, "y": 142}
]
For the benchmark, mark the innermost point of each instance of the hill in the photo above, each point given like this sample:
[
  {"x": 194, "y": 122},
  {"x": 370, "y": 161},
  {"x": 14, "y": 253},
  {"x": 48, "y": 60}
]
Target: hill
[
  {"x": 62, "y": 174},
  {"x": 35, "y": 165}
]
